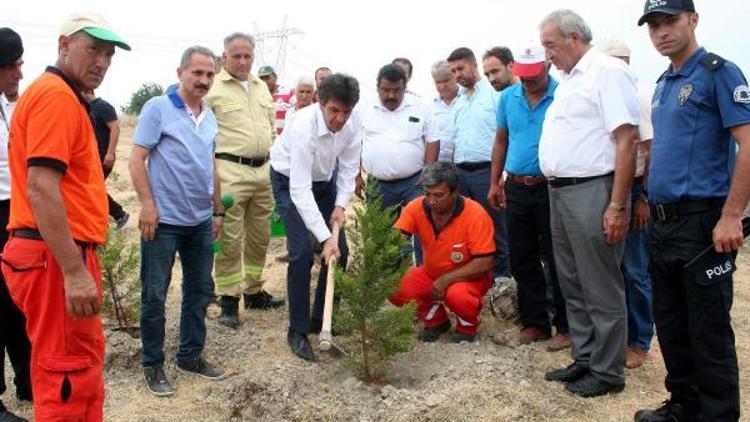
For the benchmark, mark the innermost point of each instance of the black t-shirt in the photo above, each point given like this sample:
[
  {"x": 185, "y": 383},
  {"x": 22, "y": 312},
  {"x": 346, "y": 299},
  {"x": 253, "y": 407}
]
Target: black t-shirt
[{"x": 102, "y": 113}]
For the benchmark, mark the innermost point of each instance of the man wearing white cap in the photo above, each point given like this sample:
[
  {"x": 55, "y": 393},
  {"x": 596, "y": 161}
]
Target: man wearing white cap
[
  {"x": 520, "y": 114},
  {"x": 58, "y": 214},
  {"x": 635, "y": 260}
]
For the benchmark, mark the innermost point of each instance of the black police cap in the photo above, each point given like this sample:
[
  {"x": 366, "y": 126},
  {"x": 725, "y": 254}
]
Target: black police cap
[
  {"x": 11, "y": 47},
  {"x": 669, "y": 7}
]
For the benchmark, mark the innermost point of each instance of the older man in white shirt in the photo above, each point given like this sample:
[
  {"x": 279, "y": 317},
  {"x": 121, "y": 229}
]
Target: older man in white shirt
[
  {"x": 442, "y": 107},
  {"x": 587, "y": 153},
  {"x": 399, "y": 138},
  {"x": 313, "y": 166}
]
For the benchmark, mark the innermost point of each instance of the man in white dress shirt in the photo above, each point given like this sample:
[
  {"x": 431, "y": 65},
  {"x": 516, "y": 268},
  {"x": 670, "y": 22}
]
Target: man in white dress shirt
[
  {"x": 442, "y": 107},
  {"x": 399, "y": 138},
  {"x": 313, "y": 166},
  {"x": 587, "y": 153}
]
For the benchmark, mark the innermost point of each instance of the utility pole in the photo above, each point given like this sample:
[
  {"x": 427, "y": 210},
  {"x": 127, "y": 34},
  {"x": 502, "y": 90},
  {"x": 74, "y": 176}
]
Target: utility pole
[{"x": 266, "y": 41}]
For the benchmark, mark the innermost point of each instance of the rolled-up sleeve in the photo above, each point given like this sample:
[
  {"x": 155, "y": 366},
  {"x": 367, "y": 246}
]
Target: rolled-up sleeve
[
  {"x": 618, "y": 95},
  {"x": 349, "y": 166}
]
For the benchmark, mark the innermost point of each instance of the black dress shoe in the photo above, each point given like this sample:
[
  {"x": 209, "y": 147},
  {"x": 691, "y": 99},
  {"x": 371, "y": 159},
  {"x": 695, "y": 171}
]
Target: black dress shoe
[
  {"x": 7, "y": 416},
  {"x": 431, "y": 334},
  {"x": 591, "y": 386},
  {"x": 300, "y": 345},
  {"x": 572, "y": 372},
  {"x": 669, "y": 411},
  {"x": 262, "y": 300}
]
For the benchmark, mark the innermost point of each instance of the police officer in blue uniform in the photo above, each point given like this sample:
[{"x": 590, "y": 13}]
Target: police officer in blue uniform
[{"x": 698, "y": 189}]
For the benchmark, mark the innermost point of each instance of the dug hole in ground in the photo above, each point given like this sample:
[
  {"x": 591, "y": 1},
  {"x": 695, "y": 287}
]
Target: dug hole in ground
[{"x": 495, "y": 379}]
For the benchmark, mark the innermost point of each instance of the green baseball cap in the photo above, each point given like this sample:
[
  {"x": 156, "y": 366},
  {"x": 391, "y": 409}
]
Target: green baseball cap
[
  {"x": 94, "y": 25},
  {"x": 265, "y": 71}
]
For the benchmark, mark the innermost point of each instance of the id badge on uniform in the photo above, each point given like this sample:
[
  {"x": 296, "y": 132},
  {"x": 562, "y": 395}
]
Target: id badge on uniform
[{"x": 459, "y": 253}]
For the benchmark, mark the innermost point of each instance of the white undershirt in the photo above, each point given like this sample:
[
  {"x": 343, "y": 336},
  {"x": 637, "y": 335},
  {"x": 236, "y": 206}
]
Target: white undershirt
[{"x": 7, "y": 111}]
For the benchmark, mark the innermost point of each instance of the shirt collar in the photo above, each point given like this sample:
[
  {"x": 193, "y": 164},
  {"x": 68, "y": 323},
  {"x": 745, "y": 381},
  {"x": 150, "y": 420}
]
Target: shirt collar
[
  {"x": 322, "y": 126},
  {"x": 437, "y": 98},
  {"x": 174, "y": 97},
  {"x": 406, "y": 102},
  {"x": 73, "y": 86},
  {"x": 225, "y": 76},
  {"x": 460, "y": 203},
  {"x": 690, "y": 65},
  {"x": 178, "y": 102},
  {"x": 585, "y": 62},
  {"x": 551, "y": 88}
]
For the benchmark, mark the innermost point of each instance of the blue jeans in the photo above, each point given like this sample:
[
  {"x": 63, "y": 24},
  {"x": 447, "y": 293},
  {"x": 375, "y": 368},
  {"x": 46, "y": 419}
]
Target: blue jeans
[
  {"x": 401, "y": 192},
  {"x": 638, "y": 283},
  {"x": 194, "y": 244},
  {"x": 475, "y": 184},
  {"x": 300, "y": 251}
]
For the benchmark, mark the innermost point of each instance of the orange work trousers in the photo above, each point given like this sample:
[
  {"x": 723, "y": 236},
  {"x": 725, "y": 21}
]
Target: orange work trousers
[
  {"x": 463, "y": 298},
  {"x": 67, "y": 354}
]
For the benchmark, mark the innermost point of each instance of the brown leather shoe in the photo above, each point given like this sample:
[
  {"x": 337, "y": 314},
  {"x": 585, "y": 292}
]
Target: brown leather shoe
[
  {"x": 559, "y": 341},
  {"x": 532, "y": 334},
  {"x": 636, "y": 357}
]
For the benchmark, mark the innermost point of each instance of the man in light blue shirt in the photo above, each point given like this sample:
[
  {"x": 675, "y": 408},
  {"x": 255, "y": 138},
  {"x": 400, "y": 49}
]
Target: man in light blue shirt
[
  {"x": 474, "y": 133},
  {"x": 520, "y": 115},
  {"x": 181, "y": 212}
]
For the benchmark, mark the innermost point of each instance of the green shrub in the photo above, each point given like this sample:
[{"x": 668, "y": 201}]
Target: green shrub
[
  {"x": 147, "y": 91},
  {"x": 374, "y": 329}
]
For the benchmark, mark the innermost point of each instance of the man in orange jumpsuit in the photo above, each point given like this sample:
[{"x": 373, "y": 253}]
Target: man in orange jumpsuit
[
  {"x": 58, "y": 214},
  {"x": 457, "y": 238}
]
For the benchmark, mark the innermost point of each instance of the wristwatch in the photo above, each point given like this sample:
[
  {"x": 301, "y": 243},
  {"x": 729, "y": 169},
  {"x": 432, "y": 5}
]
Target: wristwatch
[{"x": 617, "y": 207}]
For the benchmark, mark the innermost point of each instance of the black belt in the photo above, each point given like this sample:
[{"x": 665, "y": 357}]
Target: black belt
[
  {"x": 561, "y": 182},
  {"x": 664, "y": 212},
  {"x": 252, "y": 162},
  {"x": 33, "y": 234},
  {"x": 474, "y": 166}
]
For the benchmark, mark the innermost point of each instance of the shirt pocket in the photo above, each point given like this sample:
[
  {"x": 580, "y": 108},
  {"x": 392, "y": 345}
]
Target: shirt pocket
[
  {"x": 229, "y": 111},
  {"x": 412, "y": 130}
]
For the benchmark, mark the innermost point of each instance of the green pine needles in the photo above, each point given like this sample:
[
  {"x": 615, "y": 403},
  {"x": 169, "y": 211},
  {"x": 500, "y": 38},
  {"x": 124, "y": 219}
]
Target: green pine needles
[
  {"x": 375, "y": 329},
  {"x": 120, "y": 261}
]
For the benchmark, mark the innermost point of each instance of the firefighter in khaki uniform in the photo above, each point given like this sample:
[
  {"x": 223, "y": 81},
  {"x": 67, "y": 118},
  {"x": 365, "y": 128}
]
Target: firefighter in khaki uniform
[{"x": 244, "y": 110}]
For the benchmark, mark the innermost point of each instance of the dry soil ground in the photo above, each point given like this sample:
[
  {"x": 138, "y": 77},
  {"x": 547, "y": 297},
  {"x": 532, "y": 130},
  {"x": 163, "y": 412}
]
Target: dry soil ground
[{"x": 492, "y": 380}]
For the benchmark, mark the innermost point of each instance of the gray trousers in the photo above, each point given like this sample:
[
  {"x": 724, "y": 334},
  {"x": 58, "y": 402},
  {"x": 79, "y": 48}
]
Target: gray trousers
[{"x": 590, "y": 277}]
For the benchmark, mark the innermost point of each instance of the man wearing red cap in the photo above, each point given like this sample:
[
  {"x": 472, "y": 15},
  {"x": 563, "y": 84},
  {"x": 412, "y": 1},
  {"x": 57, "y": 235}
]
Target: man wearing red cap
[
  {"x": 520, "y": 115},
  {"x": 58, "y": 215}
]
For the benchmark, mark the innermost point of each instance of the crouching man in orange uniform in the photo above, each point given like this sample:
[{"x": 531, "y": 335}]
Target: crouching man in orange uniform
[{"x": 457, "y": 238}]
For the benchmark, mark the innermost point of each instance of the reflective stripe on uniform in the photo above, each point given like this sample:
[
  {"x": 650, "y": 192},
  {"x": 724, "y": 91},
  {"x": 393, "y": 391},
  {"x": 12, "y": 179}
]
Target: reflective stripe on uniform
[
  {"x": 229, "y": 280},
  {"x": 433, "y": 311},
  {"x": 463, "y": 322},
  {"x": 254, "y": 270}
]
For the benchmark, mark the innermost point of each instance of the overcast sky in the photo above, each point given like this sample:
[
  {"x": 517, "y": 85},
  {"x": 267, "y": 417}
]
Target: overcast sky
[{"x": 356, "y": 37}]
